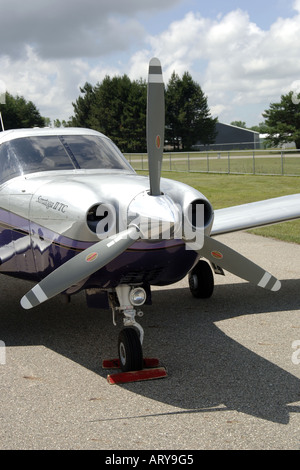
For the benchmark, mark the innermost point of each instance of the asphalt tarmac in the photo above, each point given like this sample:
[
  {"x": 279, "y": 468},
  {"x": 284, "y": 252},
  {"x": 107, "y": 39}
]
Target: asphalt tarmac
[{"x": 233, "y": 365}]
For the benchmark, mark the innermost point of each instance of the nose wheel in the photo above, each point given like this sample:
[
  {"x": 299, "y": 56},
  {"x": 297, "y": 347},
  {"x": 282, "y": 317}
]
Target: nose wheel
[
  {"x": 130, "y": 350},
  {"x": 131, "y": 336}
]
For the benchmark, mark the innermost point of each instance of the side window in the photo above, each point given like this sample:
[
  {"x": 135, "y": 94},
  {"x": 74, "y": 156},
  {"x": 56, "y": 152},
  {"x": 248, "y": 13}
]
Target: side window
[
  {"x": 9, "y": 164},
  {"x": 32, "y": 154}
]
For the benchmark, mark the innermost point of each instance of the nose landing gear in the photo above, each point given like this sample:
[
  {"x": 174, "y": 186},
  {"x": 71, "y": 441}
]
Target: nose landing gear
[
  {"x": 131, "y": 337},
  {"x": 131, "y": 362}
]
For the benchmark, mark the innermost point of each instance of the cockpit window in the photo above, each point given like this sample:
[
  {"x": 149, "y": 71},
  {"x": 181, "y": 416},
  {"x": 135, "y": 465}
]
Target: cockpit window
[
  {"x": 66, "y": 152},
  {"x": 92, "y": 152}
]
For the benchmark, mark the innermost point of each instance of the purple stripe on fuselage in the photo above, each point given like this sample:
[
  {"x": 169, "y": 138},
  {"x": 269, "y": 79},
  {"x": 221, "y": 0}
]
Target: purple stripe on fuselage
[
  {"x": 16, "y": 222},
  {"x": 160, "y": 262}
]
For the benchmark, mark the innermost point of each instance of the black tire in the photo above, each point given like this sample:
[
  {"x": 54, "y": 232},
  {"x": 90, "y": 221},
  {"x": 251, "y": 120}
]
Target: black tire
[
  {"x": 201, "y": 280},
  {"x": 130, "y": 350}
]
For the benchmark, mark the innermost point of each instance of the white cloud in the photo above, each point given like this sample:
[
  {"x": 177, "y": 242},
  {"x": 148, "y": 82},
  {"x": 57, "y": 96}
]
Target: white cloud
[
  {"x": 68, "y": 28},
  {"x": 50, "y": 84},
  {"x": 49, "y": 49},
  {"x": 235, "y": 61},
  {"x": 296, "y": 5}
]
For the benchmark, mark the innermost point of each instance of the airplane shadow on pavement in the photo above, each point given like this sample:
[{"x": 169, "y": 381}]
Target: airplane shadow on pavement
[{"x": 207, "y": 370}]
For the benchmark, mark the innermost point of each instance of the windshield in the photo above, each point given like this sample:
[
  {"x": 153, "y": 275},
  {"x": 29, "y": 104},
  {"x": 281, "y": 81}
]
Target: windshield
[{"x": 67, "y": 152}]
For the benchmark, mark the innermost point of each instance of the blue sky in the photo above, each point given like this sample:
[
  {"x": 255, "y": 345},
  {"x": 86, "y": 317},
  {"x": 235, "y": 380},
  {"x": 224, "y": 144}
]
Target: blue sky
[{"x": 244, "y": 54}]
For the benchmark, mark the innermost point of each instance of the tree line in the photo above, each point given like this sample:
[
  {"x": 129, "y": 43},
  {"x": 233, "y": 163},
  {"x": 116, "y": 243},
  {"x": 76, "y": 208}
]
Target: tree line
[
  {"x": 18, "y": 113},
  {"x": 117, "y": 108}
]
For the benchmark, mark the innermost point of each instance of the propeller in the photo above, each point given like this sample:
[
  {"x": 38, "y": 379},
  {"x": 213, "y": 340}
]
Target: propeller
[
  {"x": 237, "y": 264},
  {"x": 155, "y": 124},
  {"x": 80, "y": 267}
]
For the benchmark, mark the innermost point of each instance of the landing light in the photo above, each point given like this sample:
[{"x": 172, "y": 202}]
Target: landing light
[{"x": 137, "y": 296}]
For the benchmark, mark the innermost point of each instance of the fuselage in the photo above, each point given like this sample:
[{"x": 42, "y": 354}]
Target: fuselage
[{"x": 49, "y": 216}]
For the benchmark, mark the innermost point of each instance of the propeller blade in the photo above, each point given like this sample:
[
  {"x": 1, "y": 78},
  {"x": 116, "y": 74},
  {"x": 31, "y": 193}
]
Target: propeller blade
[
  {"x": 80, "y": 267},
  {"x": 237, "y": 264},
  {"x": 155, "y": 124}
]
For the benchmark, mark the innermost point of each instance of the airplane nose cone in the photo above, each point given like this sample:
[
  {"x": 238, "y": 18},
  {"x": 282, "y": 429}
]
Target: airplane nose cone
[{"x": 157, "y": 217}]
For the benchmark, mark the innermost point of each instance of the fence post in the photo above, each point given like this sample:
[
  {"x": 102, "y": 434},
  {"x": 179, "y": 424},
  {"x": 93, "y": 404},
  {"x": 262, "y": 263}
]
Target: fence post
[
  {"x": 188, "y": 162},
  {"x": 282, "y": 164},
  {"x": 207, "y": 158},
  {"x": 254, "y": 162},
  {"x": 229, "y": 163}
]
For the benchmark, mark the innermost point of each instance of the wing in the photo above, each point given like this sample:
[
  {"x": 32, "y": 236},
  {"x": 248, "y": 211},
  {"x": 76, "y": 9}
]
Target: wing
[{"x": 256, "y": 214}]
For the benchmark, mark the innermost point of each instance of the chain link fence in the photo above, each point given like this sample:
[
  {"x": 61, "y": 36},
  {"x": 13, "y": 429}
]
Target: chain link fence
[{"x": 256, "y": 162}]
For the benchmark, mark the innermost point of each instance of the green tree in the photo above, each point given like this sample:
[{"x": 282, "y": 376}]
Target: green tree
[
  {"x": 262, "y": 128},
  {"x": 283, "y": 120},
  {"x": 188, "y": 118},
  {"x": 18, "y": 113},
  {"x": 82, "y": 107},
  {"x": 117, "y": 108},
  {"x": 47, "y": 121},
  {"x": 134, "y": 117},
  {"x": 241, "y": 124},
  {"x": 108, "y": 108},
  {"x": 59, "y": 123}
]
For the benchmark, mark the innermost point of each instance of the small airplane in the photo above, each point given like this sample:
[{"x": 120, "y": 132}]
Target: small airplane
[{"x": 75, "y": 216}]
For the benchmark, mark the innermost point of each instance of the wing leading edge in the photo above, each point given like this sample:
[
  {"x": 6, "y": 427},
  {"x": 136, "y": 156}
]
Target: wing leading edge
[{"x": 256, "y": 214}]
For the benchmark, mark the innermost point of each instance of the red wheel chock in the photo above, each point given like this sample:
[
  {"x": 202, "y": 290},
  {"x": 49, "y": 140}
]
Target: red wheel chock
[{"x": 151, "y": 371}]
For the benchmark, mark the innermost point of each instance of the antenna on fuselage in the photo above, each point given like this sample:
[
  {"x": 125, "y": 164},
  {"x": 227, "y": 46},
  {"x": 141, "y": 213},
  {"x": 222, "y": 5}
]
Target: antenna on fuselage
[{"x": 1, "y": 121}]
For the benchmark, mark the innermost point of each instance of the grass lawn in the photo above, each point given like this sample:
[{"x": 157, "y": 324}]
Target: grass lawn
[{"x": 230, "y": 190}]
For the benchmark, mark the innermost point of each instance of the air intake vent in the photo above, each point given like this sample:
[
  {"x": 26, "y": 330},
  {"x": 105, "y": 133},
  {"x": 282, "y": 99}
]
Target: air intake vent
[{"x": 200, "y": 212}]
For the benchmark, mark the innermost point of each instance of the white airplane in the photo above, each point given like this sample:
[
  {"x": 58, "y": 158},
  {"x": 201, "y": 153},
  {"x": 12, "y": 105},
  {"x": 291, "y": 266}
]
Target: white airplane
[{"x": 75, "y": 216}]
